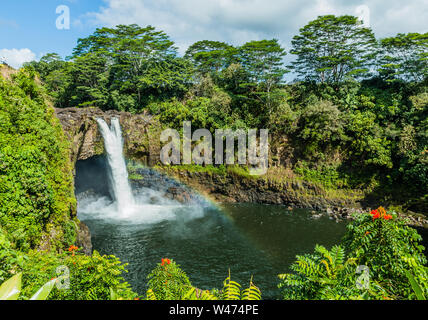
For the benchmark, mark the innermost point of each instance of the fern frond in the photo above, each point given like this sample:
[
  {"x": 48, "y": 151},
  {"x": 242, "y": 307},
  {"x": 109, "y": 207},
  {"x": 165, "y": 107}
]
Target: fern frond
[
  {"x": 327, "y": 268},
  {"x": 150, "y": 295},
  {"x": 231, "y": 289},
  {"x": 252, "y": 292},
  {"x": 338, "y": 254}
]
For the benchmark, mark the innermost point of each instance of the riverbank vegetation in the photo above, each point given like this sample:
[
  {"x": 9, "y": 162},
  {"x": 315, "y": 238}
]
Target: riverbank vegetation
[{"x": 379, "y": 258}]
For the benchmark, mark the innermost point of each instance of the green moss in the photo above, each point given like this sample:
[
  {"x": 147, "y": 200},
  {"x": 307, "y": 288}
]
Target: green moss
[
  {"x": 135, "y": 176},
  {"x": 210, "y": 169}
]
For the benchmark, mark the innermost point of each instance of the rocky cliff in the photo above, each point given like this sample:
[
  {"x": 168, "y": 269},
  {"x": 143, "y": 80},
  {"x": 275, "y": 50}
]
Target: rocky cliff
[{"x": 140, "y": 131}]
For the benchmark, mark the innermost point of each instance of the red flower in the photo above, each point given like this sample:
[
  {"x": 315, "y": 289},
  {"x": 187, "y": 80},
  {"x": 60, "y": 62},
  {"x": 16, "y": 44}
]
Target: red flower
[
  {"x": 167, "y": 261},
  {"x": 375, "y": 214},
  {"x": 380, "y": 213}
]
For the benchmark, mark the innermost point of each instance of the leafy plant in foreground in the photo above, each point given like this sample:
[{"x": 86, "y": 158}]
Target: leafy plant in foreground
[
  {"x": 169, "y": 282},
  {"x": 380, "y": 243},
  {"x": 10, "y": 289}
]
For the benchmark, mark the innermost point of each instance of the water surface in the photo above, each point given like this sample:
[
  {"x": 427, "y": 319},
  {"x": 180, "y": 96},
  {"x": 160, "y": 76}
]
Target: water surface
[{"x": 250, "y": 239}]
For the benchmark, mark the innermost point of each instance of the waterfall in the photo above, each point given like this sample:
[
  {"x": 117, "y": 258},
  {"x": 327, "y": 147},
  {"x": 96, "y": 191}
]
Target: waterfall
[
  {"x": 147, "y": 205},
  {"x": 113, "y": 143}
]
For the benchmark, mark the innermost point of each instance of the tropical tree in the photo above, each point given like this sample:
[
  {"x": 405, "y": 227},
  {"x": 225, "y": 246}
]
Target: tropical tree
[
  {"x": 210, "y": 56},
  {"x": 404, "y": 57},
  {"x": 263, "y": 61},
  {"x": 142, "y": 63},
  {"x": 331, "y": 48}
]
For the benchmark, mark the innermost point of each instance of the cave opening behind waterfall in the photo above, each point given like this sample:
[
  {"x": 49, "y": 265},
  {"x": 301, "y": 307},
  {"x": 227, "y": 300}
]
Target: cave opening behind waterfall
[{"x": 91, "y": 177}]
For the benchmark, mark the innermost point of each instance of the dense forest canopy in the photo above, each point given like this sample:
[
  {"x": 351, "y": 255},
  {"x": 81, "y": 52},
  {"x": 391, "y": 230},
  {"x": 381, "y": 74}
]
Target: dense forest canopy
[{"x": 357, "y": 110}]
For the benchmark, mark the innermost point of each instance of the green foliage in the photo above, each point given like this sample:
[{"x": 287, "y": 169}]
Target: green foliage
[
  {"x": 321, "y": 126},
  {"x": 90, "y": 277},
  {"x": 210, "y": 56},
  {"x": 10, "y": 289},
  {"x": 321, "y": 275},
  {"x": 168, "y": 282},
  {"x": 381, "y": 243},
  {"x": 328, "y": 176},
  {"x": 331, "y": 48},
  {"x": 417, "y": 289},
  {"x": 120, "y": 68},
  {"x": 36, "y": 186},
  {"x": 201, "y": 111},
  {"x": 389, "y": 248},
  {"x": 404, "y": 57}
]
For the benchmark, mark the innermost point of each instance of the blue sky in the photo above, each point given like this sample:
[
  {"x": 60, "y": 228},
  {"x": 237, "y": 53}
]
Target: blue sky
[
  {"x": 28, "y": 27},
  {"x": 31, "y": 24}
]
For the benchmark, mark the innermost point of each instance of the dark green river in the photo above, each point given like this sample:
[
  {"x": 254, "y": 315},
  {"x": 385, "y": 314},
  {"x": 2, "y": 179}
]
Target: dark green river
[{"x": 252, "y": 240}]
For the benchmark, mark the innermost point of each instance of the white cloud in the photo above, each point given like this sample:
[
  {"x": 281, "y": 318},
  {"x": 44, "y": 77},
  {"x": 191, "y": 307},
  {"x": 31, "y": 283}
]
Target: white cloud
[
  {"x": 16, "y": 57},
  {"x": 238, "y": 21}
]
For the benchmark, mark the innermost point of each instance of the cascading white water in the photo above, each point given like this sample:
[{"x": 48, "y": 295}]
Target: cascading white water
[{"x": 113, "y": 143}]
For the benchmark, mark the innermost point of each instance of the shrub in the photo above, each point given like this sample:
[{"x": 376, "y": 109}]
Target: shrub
[
  {"x": 168, "y": 281},
  {"x": 389, "y": 248},
  {"x": 381, "y": 243},
  {"x": 90, "y": 278}
]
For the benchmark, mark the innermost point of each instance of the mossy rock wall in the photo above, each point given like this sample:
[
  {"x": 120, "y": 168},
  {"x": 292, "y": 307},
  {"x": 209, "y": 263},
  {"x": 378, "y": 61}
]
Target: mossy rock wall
[{"x": 140, "y": 131}]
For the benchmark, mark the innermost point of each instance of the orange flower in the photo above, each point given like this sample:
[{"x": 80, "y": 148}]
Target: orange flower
[
  {"x": 366, "y": 233},
  {"x": 387, "y": 217},
  {"x": 73, "y": 248},
  {"x": 382, "y": 211}
]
